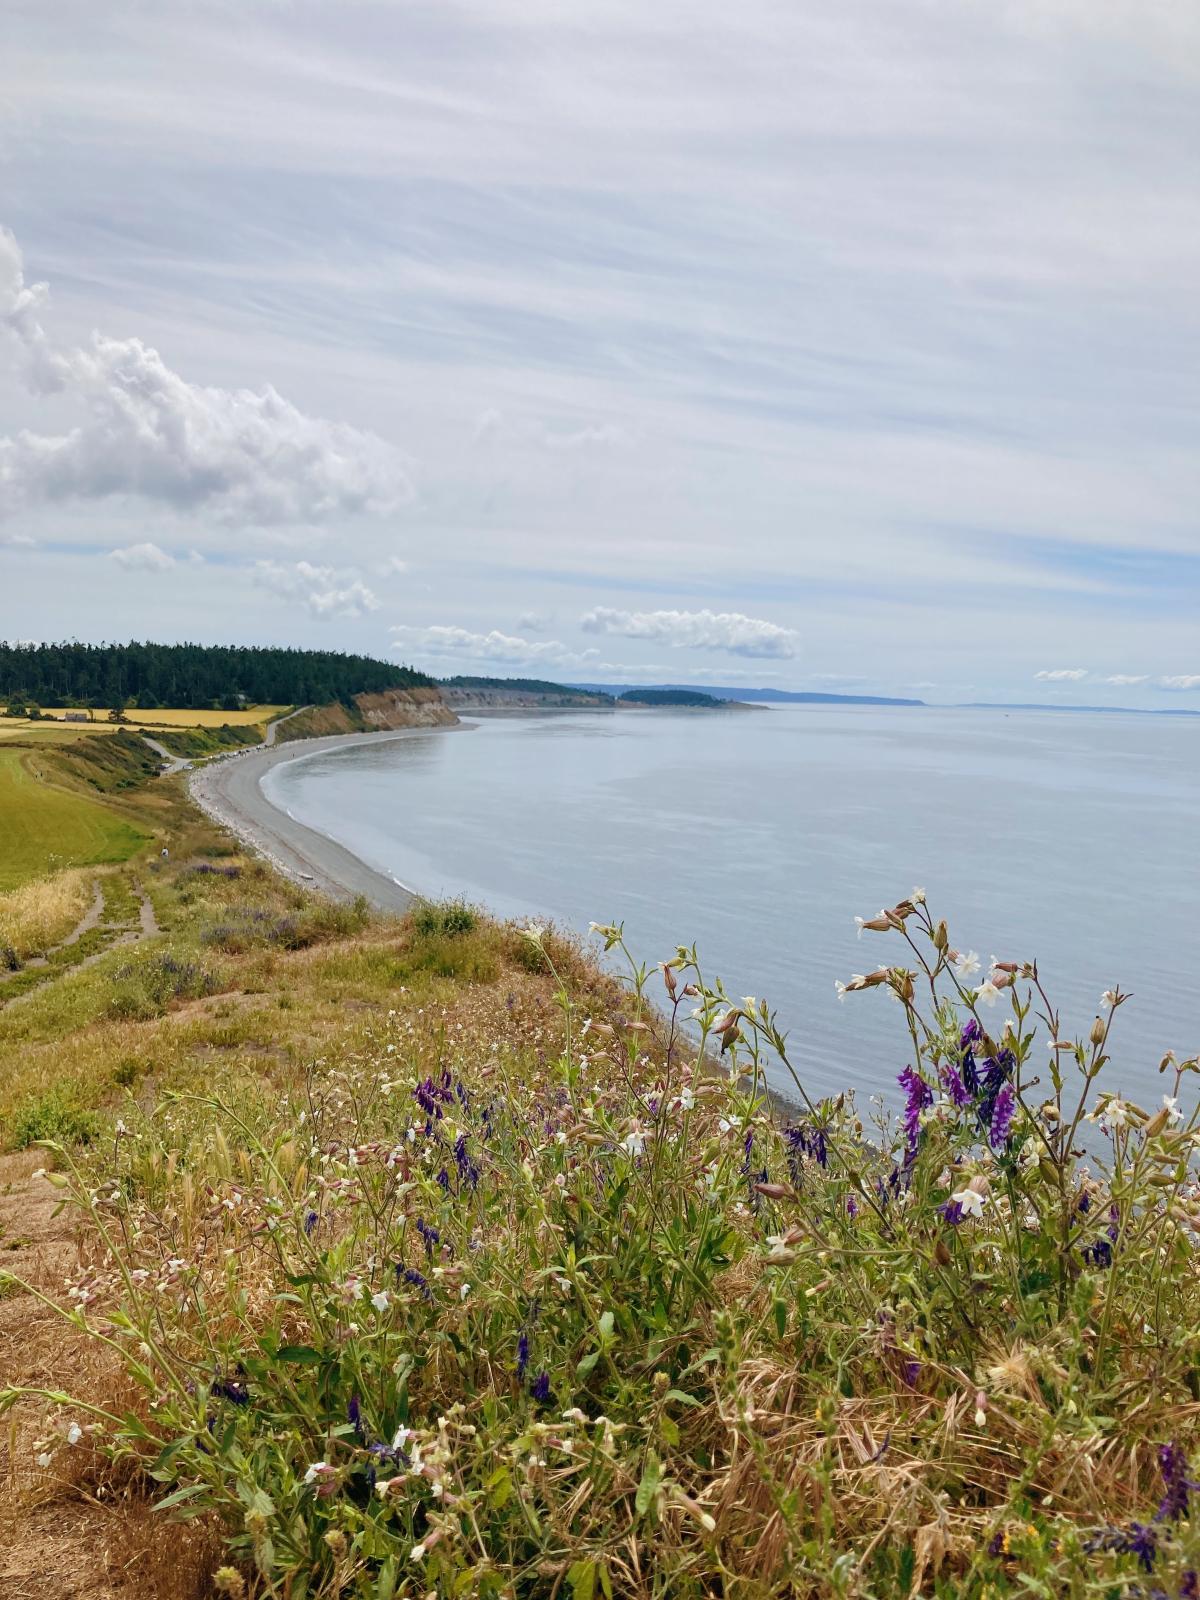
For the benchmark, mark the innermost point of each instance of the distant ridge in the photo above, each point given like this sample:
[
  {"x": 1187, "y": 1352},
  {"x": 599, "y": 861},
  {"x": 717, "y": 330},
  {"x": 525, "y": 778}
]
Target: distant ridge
[{"x": 773, "y": 696}]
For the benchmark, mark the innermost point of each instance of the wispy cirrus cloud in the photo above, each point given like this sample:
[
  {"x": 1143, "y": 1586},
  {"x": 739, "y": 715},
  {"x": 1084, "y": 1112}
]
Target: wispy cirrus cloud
[
  {"x": 698, "y": 630},
  {"x": 1062, "y": 674},
  {"x": 444, "y": 640},
  {"x": 1181, "y": 680},
  {"x": 323, "y": 591},
  {"x": 239, "y": 454},
  {"x": 1126, "y": 680}
]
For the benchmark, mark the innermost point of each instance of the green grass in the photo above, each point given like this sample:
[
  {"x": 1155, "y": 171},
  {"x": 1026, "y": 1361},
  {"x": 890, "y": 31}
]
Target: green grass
[{"x": 45, "y": 828}]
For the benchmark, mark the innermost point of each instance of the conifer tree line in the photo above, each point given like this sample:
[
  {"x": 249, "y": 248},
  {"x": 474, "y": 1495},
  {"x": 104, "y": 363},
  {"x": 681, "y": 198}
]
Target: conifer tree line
[{"x": 193, "y": 676}]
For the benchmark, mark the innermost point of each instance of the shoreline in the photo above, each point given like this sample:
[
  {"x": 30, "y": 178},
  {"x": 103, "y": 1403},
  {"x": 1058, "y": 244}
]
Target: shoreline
[{"x": 230, "y": 792}]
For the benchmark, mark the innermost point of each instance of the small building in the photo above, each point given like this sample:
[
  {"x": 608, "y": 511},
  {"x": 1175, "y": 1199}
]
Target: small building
[{"x": 75, "y": 716}]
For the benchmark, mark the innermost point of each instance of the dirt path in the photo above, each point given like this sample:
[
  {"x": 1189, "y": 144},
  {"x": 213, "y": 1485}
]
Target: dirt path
[{"x": 89, "y": 920}]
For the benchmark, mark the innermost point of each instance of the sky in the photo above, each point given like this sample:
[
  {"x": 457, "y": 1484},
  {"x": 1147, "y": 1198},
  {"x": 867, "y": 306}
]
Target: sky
[{"x": 844, "y": 347}]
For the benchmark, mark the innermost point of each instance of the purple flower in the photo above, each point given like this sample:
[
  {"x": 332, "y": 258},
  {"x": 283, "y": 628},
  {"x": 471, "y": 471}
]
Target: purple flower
[
  {"x": 468, "y": 1172},
  {"x": 952, "y": 1211},
  {"x": 354, "y": 1414},
  {"x": 411, "y": 1275},
  {"x": 952, "y": 1082},
  {"x": 971, "y": 1034},
  {"x": 540, "y": 1388},
  {"x": 1003, "y": 1112},
  {"x": 310, "y": 1221},
  {"x": 851, "y": 1207},
  {"x": 1176, "y": 1482},
  {"x": 910, "y": 1372},
  {"x": 522, "y": 1353},
  {"x": 1098, "y": 1254},
  {"x": 917, "y": 1095},
  {"x": 1142, "y": 1542},
  {"x": 229, "y": 1389},
  {"x": 430, "y": 1235}
]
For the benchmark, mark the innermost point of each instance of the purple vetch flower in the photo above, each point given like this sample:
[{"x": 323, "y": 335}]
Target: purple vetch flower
[
  {"x": 354, "y": 1414},
  {"x": 952, "y": 1082},
  {"x": 1003, "y": 1112},
  {"x": 411, "y": 1275},
  {"x": 443, "y": 1178},
  {"x": 230, "y": 1389},
  {"x": 1189, "y": 1589},
  {"x": 971, "y": 1033},
  {"x": 917, "y": 1095},
  {"x": 952, "y": 1211},
  {"x": 430, "y": 1235},
  {"x": 1173, "y": 1464},
  {"x": 522, "y": 1353},
  {"x": 1114, "y": 1223},
  {"x": 540, "y": 1388},
  {"x": 1098, "y": 1254},
  {"x": 1142, "y": 1542},
  {"x": 468, "y": 1172},
  {"x": 310, "y": 1221},
  {"x": 851, "y": 1207},
  {"x": 910, "y": 1371}
]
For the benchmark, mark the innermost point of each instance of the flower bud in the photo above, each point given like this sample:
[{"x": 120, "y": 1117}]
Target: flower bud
[
  {"x": 1157, "y": 1122},
  {"x": 1098, "y": 1031},
  {"x": 941, "y": 937}
]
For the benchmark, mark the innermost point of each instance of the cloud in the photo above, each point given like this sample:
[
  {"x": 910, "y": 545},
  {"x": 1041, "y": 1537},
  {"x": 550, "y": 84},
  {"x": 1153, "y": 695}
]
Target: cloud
[
  {"x": 325, "y": 591},
  {"x": 393, "y": 567},
  {"x": 239, "y": 454},
  {"x": 1062, "y": 675},
  {"x": 533, "y": 622},
  {"x": 442, "y": 640},
  {"x": 16, "y": 541},
  {"x": 1182, "y": 680},
  {"x": 144, "y": 557},
  {"x": 1126, "y": 680},
  {"x": 697, "y": 630}
]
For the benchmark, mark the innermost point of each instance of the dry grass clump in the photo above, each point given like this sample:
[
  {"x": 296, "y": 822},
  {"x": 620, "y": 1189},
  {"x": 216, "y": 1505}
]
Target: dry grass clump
[{"x": 40, "y": 914}]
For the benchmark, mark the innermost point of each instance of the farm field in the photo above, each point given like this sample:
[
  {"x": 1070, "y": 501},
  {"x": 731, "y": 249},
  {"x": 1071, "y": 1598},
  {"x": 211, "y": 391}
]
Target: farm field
[
  {"x": 44, "y": 828},
  {"x": 174, "y": 717}
]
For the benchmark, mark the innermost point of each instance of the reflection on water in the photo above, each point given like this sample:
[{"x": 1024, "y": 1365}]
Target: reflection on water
[{"x": 759, "y": 835}]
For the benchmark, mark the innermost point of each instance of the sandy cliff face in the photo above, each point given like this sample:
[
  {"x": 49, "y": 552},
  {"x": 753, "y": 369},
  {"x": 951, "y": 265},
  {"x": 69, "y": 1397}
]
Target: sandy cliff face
[
  {"x": 392, "y": 708},
  {"x": 405, "y": 708},
  {"x": 472, "y": 699}
]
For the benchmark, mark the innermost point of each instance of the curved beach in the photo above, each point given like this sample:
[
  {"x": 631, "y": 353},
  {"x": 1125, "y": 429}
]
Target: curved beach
[{"x": 230, "y": 791}]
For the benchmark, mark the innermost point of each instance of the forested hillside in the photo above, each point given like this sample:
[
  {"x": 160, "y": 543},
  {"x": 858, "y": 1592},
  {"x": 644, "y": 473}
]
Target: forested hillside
[{"x": 191, "y": 674}]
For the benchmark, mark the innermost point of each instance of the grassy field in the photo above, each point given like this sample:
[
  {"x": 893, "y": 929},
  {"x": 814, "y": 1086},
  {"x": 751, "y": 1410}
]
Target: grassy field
[
  {"x": 162, "y": 717},
  {"x": 45, "y": 828},
  {"x": 43, "y": 732}
]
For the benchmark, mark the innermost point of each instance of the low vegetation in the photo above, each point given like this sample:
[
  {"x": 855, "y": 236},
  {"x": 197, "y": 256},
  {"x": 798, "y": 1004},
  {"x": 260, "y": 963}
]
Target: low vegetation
[
  {"x": 41, "y": 913},
  {"x": 46, "y": 826},
  {"x": 430, "y": 1260}
]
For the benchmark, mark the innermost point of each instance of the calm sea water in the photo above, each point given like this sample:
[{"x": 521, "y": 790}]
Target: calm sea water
[{"x": 1066, "y": 838}]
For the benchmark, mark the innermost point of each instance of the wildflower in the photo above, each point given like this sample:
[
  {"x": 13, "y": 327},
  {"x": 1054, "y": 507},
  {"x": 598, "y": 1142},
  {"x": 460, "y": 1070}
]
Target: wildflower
[
  {"x": 1172, "y": 1108},
  {"x": 540, "y": 1388},
  {"x": 380, "y": 1300},
  {"x": 980, "y": 1409},
  {"x": 1098, "y": 1254},
  {"x": 917, "y": 896},
  {"x": 969, "y": 1202},
  {"x": 322, "y": 1479},
  {"x": 468, "y": 1172},
  {"x": 967, "y": 963},
  {"x": 231, "y": 1390},
  {"x": 1174, "y": 1466},
  {"x": 310, "y": 1221},
  {"x": 971, "y": 1034},
  {"x": 522, "y": 1353},
  {"x": 953, "y": 1084},
  {"x": 918, "y": 1095},
  {"x": 430, "y": 1235},
  {"x": 634, "y": 1141},
  {"x": 840, "y": 987},
  {"x": 411, "y": 1275},
  {"x": 1003, "y": 1112},
  {"x": 851, "y": 1207},
  {"x": 354, "y": 1414},
  {"x": 1108, "y": 999},
  {"x": 535, "y": 933},
  {"x": 987, "y": 993},
  {"x": 74, "y": 1434}
]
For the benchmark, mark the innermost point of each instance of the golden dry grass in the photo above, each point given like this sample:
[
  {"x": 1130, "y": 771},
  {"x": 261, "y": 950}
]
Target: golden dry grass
[{"x": 40, "y": 914}]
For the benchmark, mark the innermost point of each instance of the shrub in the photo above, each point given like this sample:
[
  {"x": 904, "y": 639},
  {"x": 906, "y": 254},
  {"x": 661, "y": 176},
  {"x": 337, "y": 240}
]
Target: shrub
[
  {"x": 53, "y": 1115},
  {"x": 443, "y": 918},
  {"x": 145, "y": 988}
]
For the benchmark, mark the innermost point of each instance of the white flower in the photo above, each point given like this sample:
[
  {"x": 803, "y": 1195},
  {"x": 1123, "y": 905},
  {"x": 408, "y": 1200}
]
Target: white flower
[
  {"x": 464, "y": 1291},
  {"x": 1108, "y": 999},
  {"x": 401, "y": 1438},
  {"x": 74, "y": 1433},
  {"x": 317, "y": 1470},
  {"x": 969, "y": 1202},
  {"x": 687, "y": 1099},
  {"x": 840, "y": 987},
  {"x": 535, "y": 933},
  {"x": 967, "y": 963},
  {"x": 1116, "y": 1113},
  {"x": 987, "y": 994},
  {"x": 860, "y": 923},
  {"x": 44, "y": 1458},
  {"x": 634, "y": 1142},
  {"x": 417, "y": 1553},
  {"x": 1174, "y": 1114},
  {"x": 380, "y": 1300},
  {"x": 917, "y": 897}
]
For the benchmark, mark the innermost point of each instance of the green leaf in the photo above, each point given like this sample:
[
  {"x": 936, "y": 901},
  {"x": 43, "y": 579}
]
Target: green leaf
[
  {"x": 585, "y": 1366},
  {"x": 300, "y": 1355},
  {"x": 648, "y": 1488},
  {"x": 682, "y": 1398},
  {"x": 188, "y": 1492},
  {"x": 581, "y": 1575}
]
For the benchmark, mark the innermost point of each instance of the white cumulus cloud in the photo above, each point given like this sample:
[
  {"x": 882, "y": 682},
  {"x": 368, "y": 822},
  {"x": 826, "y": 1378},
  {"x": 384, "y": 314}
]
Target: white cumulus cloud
[
  {"x": 144, "y": 557},
  {"x": 1062, "y": 674},
  {"x": 1181, "y": 680},
  {"x": 325, "y": 591},
  {"x": 698, "y": 630},
  {"x": 443, "y": 640},
  {"x": 244, "y": 455}
]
